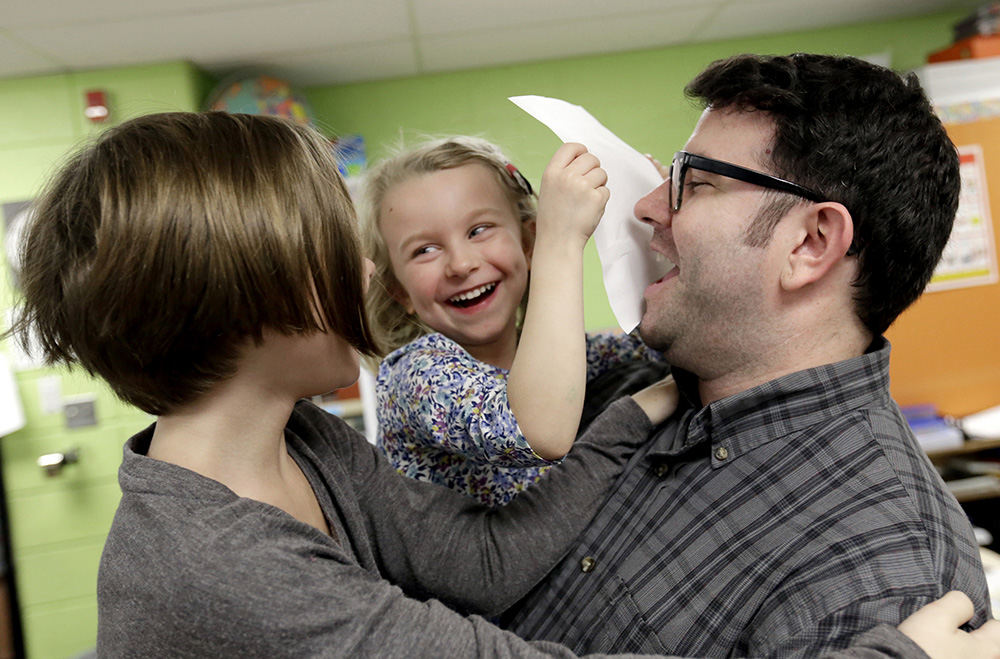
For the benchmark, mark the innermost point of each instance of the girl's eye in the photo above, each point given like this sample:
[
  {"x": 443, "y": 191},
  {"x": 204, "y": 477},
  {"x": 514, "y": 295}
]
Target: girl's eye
[
  {"x": 424, "y": 249},
  {"x": 477, "y": 230}
]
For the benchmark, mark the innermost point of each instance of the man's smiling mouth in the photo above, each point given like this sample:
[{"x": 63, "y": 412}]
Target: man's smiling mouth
[{"x": 476, "y": 295}]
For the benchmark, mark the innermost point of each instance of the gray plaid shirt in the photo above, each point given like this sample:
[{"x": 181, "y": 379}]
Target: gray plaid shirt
[{"x": 781, "y": 521}]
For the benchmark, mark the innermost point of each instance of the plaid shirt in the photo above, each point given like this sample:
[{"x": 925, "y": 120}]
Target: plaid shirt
[{"x": 782, "y": 521}]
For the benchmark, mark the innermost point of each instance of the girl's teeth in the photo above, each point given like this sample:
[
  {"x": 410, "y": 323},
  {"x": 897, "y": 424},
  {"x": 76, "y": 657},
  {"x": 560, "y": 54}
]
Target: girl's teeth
[{"x": 473, "y": 294}]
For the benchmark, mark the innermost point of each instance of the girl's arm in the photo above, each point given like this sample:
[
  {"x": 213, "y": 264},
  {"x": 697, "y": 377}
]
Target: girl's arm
[
  {"x": 548, "y": 378},
  {"x": 658, "y": 400}
]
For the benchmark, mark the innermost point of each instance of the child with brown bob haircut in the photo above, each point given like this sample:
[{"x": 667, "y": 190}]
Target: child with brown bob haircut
[{"x": 206, "y": 266}]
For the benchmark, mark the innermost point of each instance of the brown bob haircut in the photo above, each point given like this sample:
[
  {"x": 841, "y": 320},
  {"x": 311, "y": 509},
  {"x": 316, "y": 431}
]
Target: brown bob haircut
[{"x": 158, "y": 251}]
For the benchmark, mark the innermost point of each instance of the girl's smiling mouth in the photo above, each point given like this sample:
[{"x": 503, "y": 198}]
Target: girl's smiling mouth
[{"x": 474, "y": 296}]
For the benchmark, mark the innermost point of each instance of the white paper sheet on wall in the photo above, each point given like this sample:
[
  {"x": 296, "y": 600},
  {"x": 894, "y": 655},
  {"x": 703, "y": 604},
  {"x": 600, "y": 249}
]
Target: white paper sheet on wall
[
  {"x": 622, "y": 241},
  {"x": 11, "y": 411}
]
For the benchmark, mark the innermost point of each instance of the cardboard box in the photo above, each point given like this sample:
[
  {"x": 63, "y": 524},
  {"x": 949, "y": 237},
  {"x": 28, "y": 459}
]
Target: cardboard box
[{"x": 982, "y": 45}]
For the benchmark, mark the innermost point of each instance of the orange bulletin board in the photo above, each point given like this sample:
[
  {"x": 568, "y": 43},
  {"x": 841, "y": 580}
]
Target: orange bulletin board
[{"x": 946, "y": 347}]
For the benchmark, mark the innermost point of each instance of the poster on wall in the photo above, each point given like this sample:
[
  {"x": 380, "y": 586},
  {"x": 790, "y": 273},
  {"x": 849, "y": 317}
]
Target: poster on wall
[{"x": 969, "y": 258}]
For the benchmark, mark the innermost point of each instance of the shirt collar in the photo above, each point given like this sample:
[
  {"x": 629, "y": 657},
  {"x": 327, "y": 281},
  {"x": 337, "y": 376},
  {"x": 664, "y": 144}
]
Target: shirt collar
[{"x": 747, "y": 420}]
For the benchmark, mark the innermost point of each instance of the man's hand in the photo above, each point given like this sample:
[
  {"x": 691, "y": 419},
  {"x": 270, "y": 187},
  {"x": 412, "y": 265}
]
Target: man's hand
[{"x": 935, "y": 629}]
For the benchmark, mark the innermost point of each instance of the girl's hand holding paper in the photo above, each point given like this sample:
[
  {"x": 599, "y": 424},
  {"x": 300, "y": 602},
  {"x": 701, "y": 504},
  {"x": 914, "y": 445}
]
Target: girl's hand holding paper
[{"x": 622, "y": 241}]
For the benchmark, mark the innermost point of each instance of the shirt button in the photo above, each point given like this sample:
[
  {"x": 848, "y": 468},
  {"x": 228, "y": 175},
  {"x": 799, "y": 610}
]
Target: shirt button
[
  {"x": 587, "y": 564},
  {"x": 662, "y": 469},
  {"x": 721, "y": 453}
]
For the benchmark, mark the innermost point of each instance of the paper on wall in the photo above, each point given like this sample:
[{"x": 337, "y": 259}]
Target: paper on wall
[
  {"x": 11, "y": 411},
  {"x": 627, "y": 262}
]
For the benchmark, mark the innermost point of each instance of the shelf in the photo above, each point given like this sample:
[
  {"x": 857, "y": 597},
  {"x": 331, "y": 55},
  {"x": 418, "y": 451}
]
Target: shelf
[
  {"x": 970, "y": 446},
  {"x": 974, "y": 488}
]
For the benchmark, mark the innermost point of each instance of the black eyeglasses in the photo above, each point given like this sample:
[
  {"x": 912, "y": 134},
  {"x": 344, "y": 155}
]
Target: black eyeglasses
[{"x": 683, "y": 161}]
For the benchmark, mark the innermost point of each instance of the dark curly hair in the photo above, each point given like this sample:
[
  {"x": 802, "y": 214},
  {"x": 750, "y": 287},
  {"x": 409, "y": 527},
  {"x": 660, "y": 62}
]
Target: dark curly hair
[{"x": 866, "y": 137}]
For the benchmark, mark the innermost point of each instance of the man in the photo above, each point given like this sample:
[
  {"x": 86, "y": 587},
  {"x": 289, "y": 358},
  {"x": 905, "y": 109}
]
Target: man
[{"x": 786, "y": 508}]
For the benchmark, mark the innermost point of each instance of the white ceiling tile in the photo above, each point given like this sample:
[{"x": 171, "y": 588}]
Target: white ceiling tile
[
  {"x": 739, "y": 19},
  {"x": 337, "y": 65},
  {"x": 18, "y": 60},
  {"x": 208, "y": 37},
  {"x": 762, "y": 17},
  {"x": 578, "y": 37},
  {"x": 437, "y": 17},
  {"x": 23, "y": 13},
  {"x": 54, "y": 35}
]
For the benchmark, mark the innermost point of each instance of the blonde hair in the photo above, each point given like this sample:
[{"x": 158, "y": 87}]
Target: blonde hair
[
  {"x": 157, "y": 251},
  {"x": 392, "y": 325}
]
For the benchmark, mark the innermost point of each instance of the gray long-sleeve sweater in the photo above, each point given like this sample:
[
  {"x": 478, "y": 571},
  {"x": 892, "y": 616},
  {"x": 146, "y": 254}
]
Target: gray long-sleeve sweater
[{"x": 190, "y": 569}]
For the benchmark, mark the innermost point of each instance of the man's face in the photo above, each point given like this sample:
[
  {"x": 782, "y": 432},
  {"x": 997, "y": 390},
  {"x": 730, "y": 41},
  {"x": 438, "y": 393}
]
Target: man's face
[{"x": 706, "y": 314}]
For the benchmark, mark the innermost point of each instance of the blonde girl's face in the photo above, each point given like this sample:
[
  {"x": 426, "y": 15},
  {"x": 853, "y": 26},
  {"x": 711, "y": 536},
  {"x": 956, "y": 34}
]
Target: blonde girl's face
[{"x": 457, "y": 248}]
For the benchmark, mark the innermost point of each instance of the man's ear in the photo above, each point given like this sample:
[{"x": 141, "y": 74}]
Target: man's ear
[{"x": 823, "y": 234}]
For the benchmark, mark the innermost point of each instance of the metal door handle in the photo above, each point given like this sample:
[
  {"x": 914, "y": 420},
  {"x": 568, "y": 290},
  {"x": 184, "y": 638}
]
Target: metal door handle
[{"x": 53, "y": 463}]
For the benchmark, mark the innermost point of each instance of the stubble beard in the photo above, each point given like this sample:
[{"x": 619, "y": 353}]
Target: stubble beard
[{"x": 690, "y": 332}]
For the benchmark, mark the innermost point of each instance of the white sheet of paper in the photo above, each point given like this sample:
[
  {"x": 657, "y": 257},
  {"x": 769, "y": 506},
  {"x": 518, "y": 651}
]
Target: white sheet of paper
[
  {"x": 11, "y": 411},
  {"x": 984, "y": 424},
  {"x": 622, "y": 241}
]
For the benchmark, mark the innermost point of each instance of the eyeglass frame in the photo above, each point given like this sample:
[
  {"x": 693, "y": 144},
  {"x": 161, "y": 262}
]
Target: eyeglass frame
[{"x": 729, "y": 170}]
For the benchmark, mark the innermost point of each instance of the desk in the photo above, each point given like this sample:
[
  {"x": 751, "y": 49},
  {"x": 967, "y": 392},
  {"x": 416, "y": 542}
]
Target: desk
[
  {"x": 974, "y": 479},
  {"x": 969, "y": 447}
]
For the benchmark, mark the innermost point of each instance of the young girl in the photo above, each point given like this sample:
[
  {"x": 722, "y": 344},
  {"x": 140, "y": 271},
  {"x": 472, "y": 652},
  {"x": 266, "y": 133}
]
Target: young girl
[
  {"x": 469, "y": 399},
  {"x": 253, "y": 524}
]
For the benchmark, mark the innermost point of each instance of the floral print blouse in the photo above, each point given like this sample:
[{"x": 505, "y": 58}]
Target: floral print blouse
[{"x": 443, "y": 415}]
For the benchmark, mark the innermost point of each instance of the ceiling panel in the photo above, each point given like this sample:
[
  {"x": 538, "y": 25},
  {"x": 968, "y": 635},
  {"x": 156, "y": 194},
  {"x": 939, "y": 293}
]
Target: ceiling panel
[
  {"x": 330, "y": 65},
  {"x": 561, "y": 39},
  {"x": 436, "y": 17},
  {"x": 739, "y": 19},
  {"x": 18, "y": 60},
  {"x": 330, "y": 41},
  {"x": 235, "y": 33},
  {"x": 24, "y": 13}
]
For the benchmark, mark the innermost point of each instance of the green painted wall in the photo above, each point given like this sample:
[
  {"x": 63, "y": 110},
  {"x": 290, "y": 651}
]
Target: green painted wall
[
  {"x": 58, "y": 524},
  {"x": 637, "y": 95}
]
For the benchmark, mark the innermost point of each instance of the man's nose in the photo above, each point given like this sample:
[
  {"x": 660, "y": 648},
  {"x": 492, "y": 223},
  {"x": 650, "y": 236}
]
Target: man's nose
[{"x": 654, "y": 208}]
